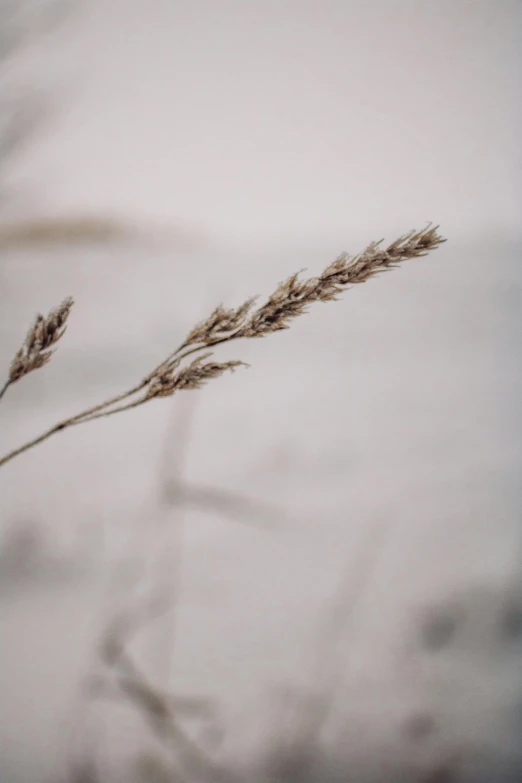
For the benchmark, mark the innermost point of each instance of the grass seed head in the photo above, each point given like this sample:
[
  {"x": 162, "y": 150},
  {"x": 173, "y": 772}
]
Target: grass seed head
[{"x": 42, "y": 335}]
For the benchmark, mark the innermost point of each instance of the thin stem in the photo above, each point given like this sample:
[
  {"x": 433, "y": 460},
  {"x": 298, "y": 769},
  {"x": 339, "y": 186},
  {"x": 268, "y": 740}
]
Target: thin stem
[
  {"x": 121, "y": 408},
  {"x": 88, "y": 414},
  {"x": 4, "y": 388},
  {"x": 47, "y": 434},
  {"x": 97, "y": 411},
  {"x": 166, "y": 362},
  {"x": 180, "y": 353}
]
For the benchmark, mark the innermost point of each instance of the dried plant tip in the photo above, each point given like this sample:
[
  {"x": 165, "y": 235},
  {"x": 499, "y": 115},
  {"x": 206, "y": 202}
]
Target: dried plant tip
[
  {"x": 44, "y": 333},
  {"x": 193, "y": 377},
  {"x": 221, "y": 322},
  {"x": 169, "y": 380},
  {"x": 346, "y": 271},
  {"x": 292, "y": 297}
]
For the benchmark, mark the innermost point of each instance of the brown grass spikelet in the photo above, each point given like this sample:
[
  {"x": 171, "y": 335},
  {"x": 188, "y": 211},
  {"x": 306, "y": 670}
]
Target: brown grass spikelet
[
  {"x": 219, "y": 323},
  {"x": 44, "y": 333},
  {"x": 170, "y": 380},
  {"x": 293, "y": 296}
]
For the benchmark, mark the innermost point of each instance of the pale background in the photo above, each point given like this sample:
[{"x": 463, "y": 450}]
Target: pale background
[{"x": 376, "y": 444}]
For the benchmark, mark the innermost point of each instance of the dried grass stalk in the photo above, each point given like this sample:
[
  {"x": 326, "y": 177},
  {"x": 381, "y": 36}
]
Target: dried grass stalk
[
  {"x": 290, "y": 299},
  {"x": 167, "y": 381},
  {"x": 35, "y": 351},
  {"x": 293, "y": 296}
]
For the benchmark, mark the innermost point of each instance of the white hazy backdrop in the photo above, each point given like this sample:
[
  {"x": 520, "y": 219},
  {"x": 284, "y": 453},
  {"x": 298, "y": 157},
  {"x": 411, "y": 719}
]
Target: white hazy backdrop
[{"x": 368, "y": 461}]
